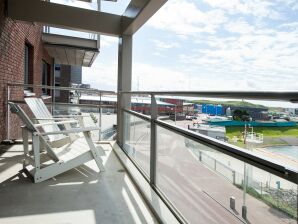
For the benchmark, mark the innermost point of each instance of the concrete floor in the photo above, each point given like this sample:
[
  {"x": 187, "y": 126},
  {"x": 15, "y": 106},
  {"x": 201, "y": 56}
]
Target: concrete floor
[{"x": 81, "y": 195}]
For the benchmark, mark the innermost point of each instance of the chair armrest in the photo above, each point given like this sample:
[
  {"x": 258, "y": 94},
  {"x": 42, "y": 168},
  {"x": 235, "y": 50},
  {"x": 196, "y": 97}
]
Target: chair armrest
[
  {"x": 71, "y": 116},
  {"x": 58, "y": 122},
  {"x": 73, "y": 130},
  {"x": 50, "y": 119},
  {"x": 60, "y": 117}
]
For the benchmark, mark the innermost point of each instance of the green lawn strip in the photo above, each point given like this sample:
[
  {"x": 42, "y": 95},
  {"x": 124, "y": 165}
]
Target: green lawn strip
[
  {"x": 269, "y": 200},
  {"x": 266, "y": 131}
]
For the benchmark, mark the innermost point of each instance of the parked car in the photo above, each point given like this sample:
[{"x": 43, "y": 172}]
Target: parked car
[{"x": 190, "y": 118}]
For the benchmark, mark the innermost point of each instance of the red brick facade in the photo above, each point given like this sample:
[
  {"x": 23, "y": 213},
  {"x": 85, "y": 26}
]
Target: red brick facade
[
  {"x": 65, "y": 76},
  {"x": 13, "y": 37}
]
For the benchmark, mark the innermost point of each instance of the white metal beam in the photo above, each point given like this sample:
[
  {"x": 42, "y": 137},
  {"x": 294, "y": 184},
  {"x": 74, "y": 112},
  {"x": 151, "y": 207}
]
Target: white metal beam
[
  {"x": 138, "y": 13},
  {"x": 64, "y": 16},
  {"x": 124, "y": 83},
  {"x": 83, "y": 43}
]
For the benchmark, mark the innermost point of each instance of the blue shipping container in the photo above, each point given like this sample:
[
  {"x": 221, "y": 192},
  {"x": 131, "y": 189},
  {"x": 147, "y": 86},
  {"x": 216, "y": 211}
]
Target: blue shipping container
[{"x": 212, "y": 109}]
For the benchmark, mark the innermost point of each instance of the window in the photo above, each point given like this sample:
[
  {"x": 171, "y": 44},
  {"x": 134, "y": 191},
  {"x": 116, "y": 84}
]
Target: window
[
  {"x": 28, "y": 65},
  {"x": 45, "y": 77}
]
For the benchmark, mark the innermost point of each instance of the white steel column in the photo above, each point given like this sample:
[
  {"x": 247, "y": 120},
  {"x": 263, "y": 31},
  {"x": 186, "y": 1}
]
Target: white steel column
[
  {"x": 153, "y": 140},
  {"x": 124, "y": 82},
  {"x": 98, "y": 35}
]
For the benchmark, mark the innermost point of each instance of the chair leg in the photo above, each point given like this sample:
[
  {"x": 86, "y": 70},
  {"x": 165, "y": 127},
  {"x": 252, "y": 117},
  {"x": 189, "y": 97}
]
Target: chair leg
[
  {"x": 72, "y": 137},
  {"x": 25, "y": 140},
  {"x": 93, "y": 150},
  {"x": 36, "y": 149}
]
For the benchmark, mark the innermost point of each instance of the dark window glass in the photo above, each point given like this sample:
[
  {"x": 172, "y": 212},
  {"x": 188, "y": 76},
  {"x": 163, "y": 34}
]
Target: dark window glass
[
  {"x": 45, "y": 76},
  {"x": 26, "y": 65}
]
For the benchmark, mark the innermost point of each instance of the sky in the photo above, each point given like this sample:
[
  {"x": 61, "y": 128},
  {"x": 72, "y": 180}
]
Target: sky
[{"x": 207, "y": 45}]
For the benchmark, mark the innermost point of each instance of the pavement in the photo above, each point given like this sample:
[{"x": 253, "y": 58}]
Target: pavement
[{"x": 200, "y": 194}]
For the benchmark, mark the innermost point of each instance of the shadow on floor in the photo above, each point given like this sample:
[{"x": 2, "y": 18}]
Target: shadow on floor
[{"x": 110, "y": 194}]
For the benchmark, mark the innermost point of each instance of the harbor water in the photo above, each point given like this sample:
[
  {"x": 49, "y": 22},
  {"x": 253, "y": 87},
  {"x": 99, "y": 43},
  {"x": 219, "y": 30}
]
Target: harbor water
[{"x": 289, "y": 151}]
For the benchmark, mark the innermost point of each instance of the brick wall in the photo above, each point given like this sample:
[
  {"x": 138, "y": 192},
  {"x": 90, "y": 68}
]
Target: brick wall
[
  {"x": 13, "y": 36},
  {"x": 65, "y": 77}
]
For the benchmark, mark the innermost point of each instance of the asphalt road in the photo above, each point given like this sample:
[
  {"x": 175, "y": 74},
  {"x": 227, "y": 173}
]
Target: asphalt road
[{"x": 200, "y": 194}]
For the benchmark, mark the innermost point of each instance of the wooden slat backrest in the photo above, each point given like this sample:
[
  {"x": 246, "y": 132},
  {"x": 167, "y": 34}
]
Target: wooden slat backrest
[
  {"x": 40, "y": 110},
  {"x": 14, "y": 108}
]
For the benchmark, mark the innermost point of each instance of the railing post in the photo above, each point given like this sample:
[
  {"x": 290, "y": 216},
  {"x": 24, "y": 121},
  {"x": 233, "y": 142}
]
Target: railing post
[
  {"x": 8, "y": 113},
  {"x": 244, "y": 207},
  {"x": 234, "y": 177},
  {"x": 100, "y": 118},
  {"x": 153, "y": 153}
]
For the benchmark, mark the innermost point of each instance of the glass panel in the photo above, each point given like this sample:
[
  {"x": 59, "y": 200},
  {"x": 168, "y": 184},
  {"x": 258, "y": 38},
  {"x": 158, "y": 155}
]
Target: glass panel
[
  {"x": 268, "y": 128},
  {"x": 113, "y": 7},
  {"x": 78, "y": 4},
  {"x": 137, "y": 140},
  {"x": 201, "y": 183},
  {"x": 70, "y": 33},
  {"x": 88, "y": 108}
]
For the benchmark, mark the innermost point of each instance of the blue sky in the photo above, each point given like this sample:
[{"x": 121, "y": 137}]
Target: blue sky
[{"x": 207, "y": 45}]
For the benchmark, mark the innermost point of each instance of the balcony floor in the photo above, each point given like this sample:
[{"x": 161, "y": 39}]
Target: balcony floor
[{"x": 81, "y": 195}]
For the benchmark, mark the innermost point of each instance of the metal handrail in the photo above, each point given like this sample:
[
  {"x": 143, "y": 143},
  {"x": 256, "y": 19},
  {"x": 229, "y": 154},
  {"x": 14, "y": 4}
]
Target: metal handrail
[
  {"x": 231, "y": 150},
  {"x": 68, "y": 104},
  {"x": 53, "y": 88},
  {"x": 291, "y": 96},
  {"x": 62, "y": 88}
]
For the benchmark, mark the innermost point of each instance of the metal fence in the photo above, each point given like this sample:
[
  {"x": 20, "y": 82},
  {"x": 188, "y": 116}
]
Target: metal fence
[
  {"x": 255, "y": 187},
  {"x": 67, "y": 106}
]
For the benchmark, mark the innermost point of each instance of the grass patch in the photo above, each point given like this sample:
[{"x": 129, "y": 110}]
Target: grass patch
[
  {"x": 269, "y": 200},
  {"x": 272, "y": 202},
  {"x": 266, "y": 131}
]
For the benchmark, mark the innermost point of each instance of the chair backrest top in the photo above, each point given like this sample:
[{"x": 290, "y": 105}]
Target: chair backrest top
[
  {"x": 14, "y": 108},
  {"x": 40, "y": 110}
]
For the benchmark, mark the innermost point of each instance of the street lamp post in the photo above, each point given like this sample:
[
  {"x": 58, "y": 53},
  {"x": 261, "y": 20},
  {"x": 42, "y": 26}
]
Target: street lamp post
[{"x": 175, "y": 113}]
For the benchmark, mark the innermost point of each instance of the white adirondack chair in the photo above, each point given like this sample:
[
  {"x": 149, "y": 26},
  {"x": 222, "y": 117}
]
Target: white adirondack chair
[
  {"x": 43, "y": 116},
  {"x": 62, "y": 158}
]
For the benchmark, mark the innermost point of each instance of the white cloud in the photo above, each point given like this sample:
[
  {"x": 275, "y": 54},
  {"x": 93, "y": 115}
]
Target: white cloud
[
  {"x": 106, "y": 41},
  {"x": 249, "y": 54},
  {"x": 101, "y": 76},
  {"x": 257, "y": 8},
  {"x": 169, "y": 79},
  {"x": 239, "y": 26},
  {"x": 162, "y": 45},
  {"x": 295, "y": 6},
  {"x": 157, "y": 78},
  {"x": 185, "y": 18}
]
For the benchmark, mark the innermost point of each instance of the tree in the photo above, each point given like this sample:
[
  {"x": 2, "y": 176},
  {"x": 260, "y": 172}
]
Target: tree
[{"x": 240, "y": 115}]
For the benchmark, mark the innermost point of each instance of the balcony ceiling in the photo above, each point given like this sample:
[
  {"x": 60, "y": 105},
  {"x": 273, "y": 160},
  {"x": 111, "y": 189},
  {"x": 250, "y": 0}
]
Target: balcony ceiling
[
  {"x": 71, "y": 50},
  {"x": 62, "y": 16}
]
